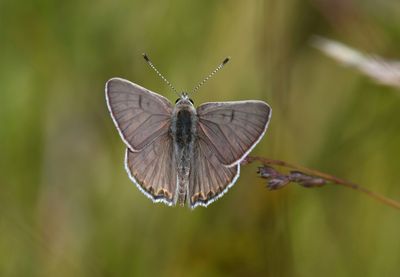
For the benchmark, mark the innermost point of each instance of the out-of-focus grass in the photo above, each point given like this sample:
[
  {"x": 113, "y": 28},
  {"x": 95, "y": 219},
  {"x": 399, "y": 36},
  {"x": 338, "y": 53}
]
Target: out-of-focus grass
[{"x": 67, "y": 207}]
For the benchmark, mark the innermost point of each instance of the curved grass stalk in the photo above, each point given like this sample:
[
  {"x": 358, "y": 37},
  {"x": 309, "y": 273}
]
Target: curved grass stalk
[{"x": 308, "y": 177}]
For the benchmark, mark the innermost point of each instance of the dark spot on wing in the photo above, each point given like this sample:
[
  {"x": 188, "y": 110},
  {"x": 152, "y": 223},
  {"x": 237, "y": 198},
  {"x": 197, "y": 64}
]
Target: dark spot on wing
[{"x": 227, "y": 116}]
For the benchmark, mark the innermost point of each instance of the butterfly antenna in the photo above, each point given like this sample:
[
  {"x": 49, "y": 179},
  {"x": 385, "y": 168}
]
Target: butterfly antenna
[
  {"x": 211, "y": 74},
  {"x": 158, "y": 73}
]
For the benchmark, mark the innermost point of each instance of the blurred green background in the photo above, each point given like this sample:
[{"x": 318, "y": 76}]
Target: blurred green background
[{"x": 67, "y": 207}]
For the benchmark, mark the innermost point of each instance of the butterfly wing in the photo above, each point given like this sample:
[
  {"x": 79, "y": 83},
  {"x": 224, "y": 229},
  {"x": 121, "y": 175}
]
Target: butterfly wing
[
  {"x": 209, "y": 179},
  {"x": 153, "y": 170},
  {"x": 232, "y": 129},
  {"x": 143, "y": 119},
  {"x": 141, "y": 116}
]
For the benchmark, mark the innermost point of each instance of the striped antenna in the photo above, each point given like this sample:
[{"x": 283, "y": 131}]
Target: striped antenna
[
  {"x": 211, "y": 74},
  {"x": 147, "y": 59}
]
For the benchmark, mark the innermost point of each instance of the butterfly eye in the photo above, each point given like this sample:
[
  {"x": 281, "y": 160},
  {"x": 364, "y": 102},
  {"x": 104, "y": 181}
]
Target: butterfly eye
[
  {"x": 191, "y": 101},
  {"x": 177, "y": 100}
]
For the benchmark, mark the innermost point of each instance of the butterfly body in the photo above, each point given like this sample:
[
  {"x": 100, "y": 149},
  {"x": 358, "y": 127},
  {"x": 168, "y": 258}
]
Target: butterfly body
[
  {"x": 182, "y": 154},
  {"x": 183, "y": 134}
]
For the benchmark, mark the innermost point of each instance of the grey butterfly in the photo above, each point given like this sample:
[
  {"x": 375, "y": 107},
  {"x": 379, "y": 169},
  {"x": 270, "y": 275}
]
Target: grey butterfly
[{"x": 180, "y": 154}]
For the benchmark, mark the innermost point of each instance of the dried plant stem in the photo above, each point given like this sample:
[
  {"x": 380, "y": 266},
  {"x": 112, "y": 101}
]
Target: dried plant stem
[{"x": 329, "y": 178}]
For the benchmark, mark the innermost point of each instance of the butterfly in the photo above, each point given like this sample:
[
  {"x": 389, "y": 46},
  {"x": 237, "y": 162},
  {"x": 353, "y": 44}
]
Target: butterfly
[{"x": 179, "y": 154}]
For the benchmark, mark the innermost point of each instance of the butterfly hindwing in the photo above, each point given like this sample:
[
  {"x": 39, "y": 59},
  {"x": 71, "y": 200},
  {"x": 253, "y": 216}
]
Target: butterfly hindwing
[
  {"x": 153, "y": 170},
  {"x": 209, "y": 179}
]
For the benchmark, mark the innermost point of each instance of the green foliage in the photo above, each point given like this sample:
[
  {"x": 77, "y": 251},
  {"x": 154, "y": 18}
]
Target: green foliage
[{"x": 67, "y": 207}]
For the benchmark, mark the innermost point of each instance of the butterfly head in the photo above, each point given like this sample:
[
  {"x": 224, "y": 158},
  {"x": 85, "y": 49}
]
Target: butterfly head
[{"x": 184, "y": 100}]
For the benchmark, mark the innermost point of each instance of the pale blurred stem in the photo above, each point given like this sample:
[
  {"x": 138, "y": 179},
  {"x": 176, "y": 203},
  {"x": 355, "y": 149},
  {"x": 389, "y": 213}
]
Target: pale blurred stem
[{"x": 327, "y": 177}]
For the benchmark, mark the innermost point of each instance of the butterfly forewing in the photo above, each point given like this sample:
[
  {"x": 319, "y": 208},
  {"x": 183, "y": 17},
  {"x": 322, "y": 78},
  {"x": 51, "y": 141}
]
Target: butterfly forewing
[
  {"x": 140, "y": 115},
  {"x": 153, "y": 170},
  {"x": 209, "y": 179},
  {"x": 232, "y": 129}
]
